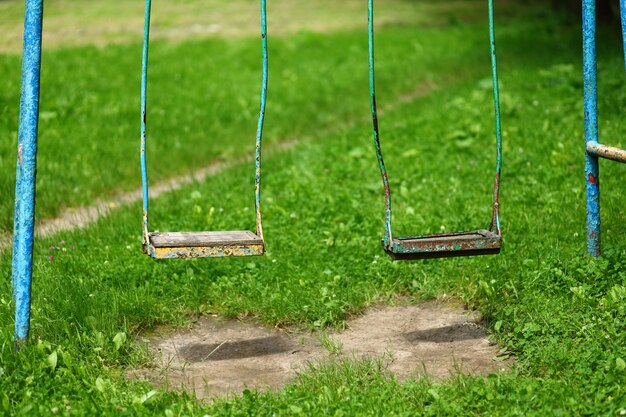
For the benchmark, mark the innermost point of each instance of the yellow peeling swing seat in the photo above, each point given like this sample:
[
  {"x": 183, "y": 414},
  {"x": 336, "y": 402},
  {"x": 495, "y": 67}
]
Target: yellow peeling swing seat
[
  {"x": 171, "y": 245},
  {"x": 214, "y": 244}
]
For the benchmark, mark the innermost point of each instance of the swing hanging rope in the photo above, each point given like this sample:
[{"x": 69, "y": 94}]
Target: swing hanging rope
[
  {"x": 203, "y": 244},
  {"x": 452, "y": 244}
]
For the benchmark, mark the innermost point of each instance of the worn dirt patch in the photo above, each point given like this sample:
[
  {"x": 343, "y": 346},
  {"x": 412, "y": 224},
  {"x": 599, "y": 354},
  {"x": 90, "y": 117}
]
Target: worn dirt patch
[{"x": 219, "y": 357}]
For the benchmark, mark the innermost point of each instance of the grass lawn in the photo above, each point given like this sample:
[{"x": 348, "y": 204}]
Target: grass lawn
[{"x": 559, "y": 312}]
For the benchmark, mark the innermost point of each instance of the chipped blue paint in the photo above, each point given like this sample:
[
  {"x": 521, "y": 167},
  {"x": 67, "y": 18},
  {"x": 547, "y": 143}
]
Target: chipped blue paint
[
  {"x": 607, "y": 152},
  {"x": 593, "y": 149},
  {"x": 24, "y": 216},
  {"x": 622, "y": 7},
  {"x": 592, "y": 176},
  {"x": 16, "y": 212},
  {"x": 259, "y": 135}
]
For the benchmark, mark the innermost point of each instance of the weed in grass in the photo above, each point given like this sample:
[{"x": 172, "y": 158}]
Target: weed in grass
[{"x": 331, "y": 344}]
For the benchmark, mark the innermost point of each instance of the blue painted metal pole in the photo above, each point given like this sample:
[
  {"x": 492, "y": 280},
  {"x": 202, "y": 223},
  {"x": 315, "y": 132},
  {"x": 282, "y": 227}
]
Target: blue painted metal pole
[
  {"x": 592, "y": 175},
  {"x": 24, "y": 228},
  {"x": 144, "y": 89},
  {"x": 259, "y": 135},
  {"x": 622, "y": 6}
]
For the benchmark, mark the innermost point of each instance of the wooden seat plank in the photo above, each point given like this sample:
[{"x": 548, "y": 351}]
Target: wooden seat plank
[
  {"x": 177, "y": 245},
  {"x": 203, "y": 239}
]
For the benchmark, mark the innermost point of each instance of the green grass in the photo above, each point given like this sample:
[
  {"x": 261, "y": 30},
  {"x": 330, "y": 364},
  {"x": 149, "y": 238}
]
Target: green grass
[{"x": 560, "y": 312}]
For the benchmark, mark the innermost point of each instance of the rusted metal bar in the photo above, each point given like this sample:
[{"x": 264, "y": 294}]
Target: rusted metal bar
[{"x": 608, "y": 152}]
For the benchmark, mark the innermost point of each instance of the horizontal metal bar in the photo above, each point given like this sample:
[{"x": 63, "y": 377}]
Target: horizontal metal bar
[{"x": 609, "y": 152}]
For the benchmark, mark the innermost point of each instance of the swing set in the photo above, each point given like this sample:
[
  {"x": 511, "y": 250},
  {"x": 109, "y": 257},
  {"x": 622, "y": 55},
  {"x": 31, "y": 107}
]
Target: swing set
[
  {"x": 246, "y": 243},
  {"x": 465, "y": 243},
  {"x": 168, "y": 245}
]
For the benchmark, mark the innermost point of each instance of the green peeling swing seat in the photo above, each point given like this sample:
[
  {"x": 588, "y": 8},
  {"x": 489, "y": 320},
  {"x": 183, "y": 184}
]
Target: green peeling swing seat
[
  {"x": 206, "y": 244},
  {"x": 465, "y": 243}
]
